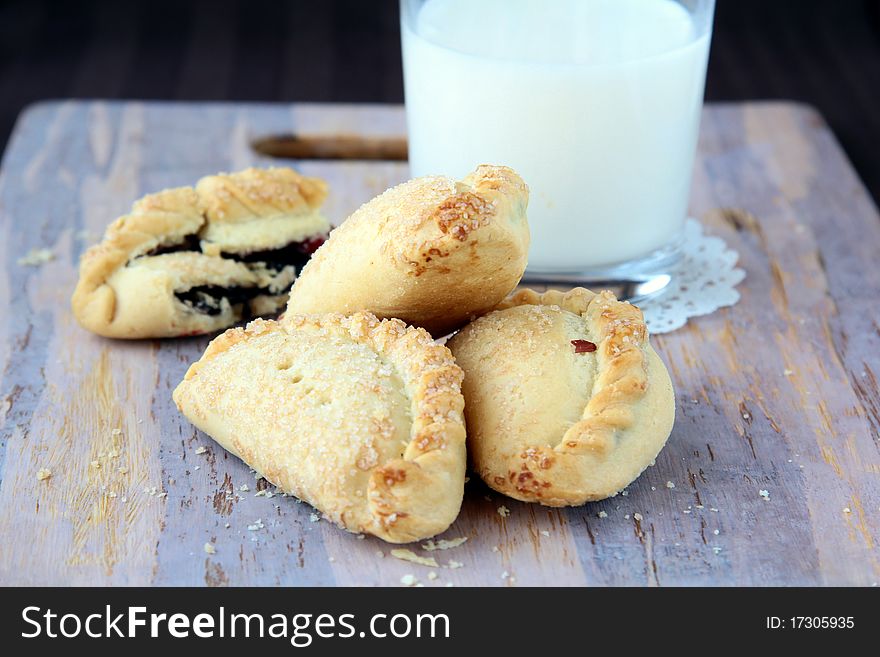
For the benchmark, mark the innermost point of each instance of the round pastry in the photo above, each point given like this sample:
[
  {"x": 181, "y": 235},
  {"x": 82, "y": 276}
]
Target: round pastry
[
  {"x": 361, "y": 418},
  {"x": 433, "y": 252},
  {"x": 188, "y": 261},
  {"x": 565, "y": 400}
]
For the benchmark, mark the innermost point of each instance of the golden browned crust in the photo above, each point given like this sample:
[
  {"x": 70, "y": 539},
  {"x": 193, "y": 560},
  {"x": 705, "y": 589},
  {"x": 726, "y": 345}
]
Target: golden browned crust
[
  {"x": 360, "y": 417},
  {"x": 126, "y": 292},
  {"x": 433, "y": 252},
  {"x": 622, "y": 387}
]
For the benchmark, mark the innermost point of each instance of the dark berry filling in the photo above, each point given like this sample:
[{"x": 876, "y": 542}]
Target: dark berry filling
[{"x": 207, "y": 299}]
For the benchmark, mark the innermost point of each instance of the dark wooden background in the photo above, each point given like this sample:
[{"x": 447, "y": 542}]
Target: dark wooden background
[{"x": 822, "y": 52}]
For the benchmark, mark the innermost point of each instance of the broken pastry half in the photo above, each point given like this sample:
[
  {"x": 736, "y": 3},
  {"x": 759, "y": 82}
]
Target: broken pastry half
[
  {"x": 360, "y": 417},
  {"x": 188, "y": 261},
  {"x": 566, "y": 400},
  {"x": 433, "y": 252}
]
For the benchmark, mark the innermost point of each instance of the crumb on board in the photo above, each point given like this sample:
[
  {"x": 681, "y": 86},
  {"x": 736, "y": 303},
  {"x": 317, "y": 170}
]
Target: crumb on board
[
  {"x": 638, "y": 516},
  {"x": 443, "y": 544},
  {"x": 314, "y": 517},
  {"x": 408, "y": 555},
  {"x": 36, "y": 257},
  {"x": 409, "y": 580},
  {"x": 201, "y": 449},
  {"x": 257, "y": 526},
  {"x": 210, "y": 549},
  {"x": 432, "y": 575},
  {"x": 380, "y": 554},
  {"x": 455, "y": 564},
  {"x": 544, "y": 532},
  {"x": 846, "y": 509},
  {"x": 43, "y": 474},
  {"x": 670, "y": 484},
  {"x": 765, "y": 494},
  {"x": 503, "y": 511},
  {"x": 602, "y": 514}
]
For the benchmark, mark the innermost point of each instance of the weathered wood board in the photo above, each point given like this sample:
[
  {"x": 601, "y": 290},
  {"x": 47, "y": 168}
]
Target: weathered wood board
[{"x": 778, "y": 393}]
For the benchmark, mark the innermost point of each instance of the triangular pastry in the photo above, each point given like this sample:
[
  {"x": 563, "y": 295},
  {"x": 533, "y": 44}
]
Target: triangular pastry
[
  {"x": 361, "y": 418},
  {"x": 433, "y": 252},
  {"x": 189, "y": 260},
  {"x": 565, "y": 399}
]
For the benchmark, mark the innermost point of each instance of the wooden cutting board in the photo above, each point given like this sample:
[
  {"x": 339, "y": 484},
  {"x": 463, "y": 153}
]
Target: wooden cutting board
[{"x": 778, "y": 393}]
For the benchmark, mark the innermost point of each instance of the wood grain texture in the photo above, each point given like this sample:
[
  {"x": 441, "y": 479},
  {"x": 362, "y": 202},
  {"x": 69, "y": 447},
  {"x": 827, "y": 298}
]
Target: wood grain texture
[{"x": 777, "y": 393}]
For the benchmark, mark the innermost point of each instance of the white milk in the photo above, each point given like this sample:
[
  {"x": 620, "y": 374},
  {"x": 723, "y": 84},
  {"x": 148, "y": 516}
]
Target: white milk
[{"x": 596, "y": 103}]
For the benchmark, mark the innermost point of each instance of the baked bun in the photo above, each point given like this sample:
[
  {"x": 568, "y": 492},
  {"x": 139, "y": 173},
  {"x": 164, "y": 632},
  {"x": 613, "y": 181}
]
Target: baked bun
[
  {"x": 361, "y": 418},
  {"x": 189, "y": 260},
  {"x": 433, "y": 252},
  {"x": 566, "y": 401}
]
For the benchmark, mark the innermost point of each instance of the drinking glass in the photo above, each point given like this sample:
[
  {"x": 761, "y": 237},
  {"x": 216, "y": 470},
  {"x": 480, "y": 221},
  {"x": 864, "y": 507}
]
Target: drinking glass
[{"x": 596, "y": 103}]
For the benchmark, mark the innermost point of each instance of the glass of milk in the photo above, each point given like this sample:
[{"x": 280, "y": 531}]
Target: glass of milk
[{"x": 596, "y": 103}]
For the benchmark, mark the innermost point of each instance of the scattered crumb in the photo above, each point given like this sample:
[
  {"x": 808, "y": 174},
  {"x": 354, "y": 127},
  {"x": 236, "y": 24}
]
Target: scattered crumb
[
  {"x": 244, "y": 488},
  {"x": 432, "y": 576},
  {"x": 503, "y": 511},
  {"x": 449, "y": 585},
  {"x": 699, "y": 506},
  {"x": 495, "y": 548},
  {"x": 625, "y": 493},
  {"x": 686, "y": 511},
  {"x": 116, "y": 432},
  {"x": 713, "y": 509},
  {"x": 360, "y": 537},
  {"x": 765, "y": 494},
  {"x": 444, "y": 544},
  {"x": 602, "y": 514},
  {"x": 716, "y": 550},
  {"x": 408, "y": 555},
  {"x": 637, "y": 516},
  {"x": 746, "y": 416},
  {"x": 162, "y": 494},
  {"x": 43, "y": 474},
  {"x": 331, "y": 559},
  {"x": 626, "y": 517},
  {"x": 111, "y": 494},
  {"x": 409, "y": 580},
  {"x": 847, "y": 510},
  {"x": 455, "y": 564},
  {"x": 505, "y": 575},
  {"x": 314, "y": 517},
  {"x": 258, "y": 525},
  {"x": 95, "y": 464},
  {"x": 787, "y": 372},
  {"x": 716, "y": 532},
  {"x": 36, "y": 257},
  {"x": 210, "y": 549},
  {"x": 123, "y": 470},
  {"x": 380, "y": 554},
  {"x": 197, "y": 467},
  {"x": 544, "y": 532},
  {"x": 227, "y": 525},
  {"x": 201, "y": 449}
]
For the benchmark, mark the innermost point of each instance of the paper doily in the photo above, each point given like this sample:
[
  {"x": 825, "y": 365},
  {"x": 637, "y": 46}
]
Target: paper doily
[{"x": 703, "y": 280}]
